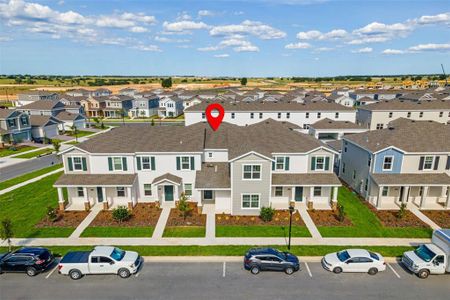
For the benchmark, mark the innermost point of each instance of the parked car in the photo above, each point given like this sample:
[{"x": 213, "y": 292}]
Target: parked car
[
  {"x": 269, "y": 259},
  {"x": 101, "y": 260},
  {"x": 354, "y": 260},
  {"x": 430, "y": 258},
  {"x": 31, "y": 261}
]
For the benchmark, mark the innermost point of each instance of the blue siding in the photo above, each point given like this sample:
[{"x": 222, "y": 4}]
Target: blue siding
[
  {"x": 398, "y": 158},
  {"x": 153, "y": 103}
]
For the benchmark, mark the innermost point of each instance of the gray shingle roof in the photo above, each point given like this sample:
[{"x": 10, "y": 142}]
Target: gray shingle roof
[
  {"x": 407, "y": 105},
  {"x": 331, "y": 124},
  {"x": 169, "y": 177},
  {"x": 305, "y": 179},
  {"x": 213, "y": 176},
  {"x": 43, "y": 105},
  {"x": 43, "y": 120},
  {"x": 412, "y": 179},
  {"x": 95, "y": 180}
]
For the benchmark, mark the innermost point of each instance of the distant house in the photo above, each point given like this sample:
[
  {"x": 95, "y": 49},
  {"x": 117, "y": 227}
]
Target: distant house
[
  {"x": 170, "y": 107},
  {"x": 78, "y": 93},
  {"x": 44, "y": 127},
  {"x": 14, "y": 126},
  {"x": 115, "y": 105},
  {"x": 365, "y": 101},
  {"x": 145, "y": 104},
  {"x": 70, "y": 119},
  {"x": 342, "y": 100},
  {"x": 128, "y": 92},
  {"x": 101, "y": 92},
  {"x": 32, "y": 96},
  {"x": 94, "y": 106},
  {"x": 328, "y": 130}
]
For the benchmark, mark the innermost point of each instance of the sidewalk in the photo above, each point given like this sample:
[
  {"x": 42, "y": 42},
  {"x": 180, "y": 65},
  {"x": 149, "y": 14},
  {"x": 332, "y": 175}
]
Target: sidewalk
[
  {"x": 162, "y": 221},
  {"x": 88, "y": 220},
  {"x": 309, "y": 222},
  {"x": 209, "y": 210},
  {"x": 424, "y": 218}
]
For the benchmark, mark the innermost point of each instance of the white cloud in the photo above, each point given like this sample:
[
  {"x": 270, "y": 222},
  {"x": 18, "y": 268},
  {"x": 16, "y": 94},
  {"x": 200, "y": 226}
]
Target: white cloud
[
  {"x": 363, "y": 50},
  {"x": 5, "y": 39},
  {"x": 317, "y": 35},
  {"x": 236, "y": 42},
  {"x": 246, "y": 48},
  {"x": 140, "y": 17},
  {"x": 366, "y": 40},
  {"x": 150, "y": 48},
  {"x": 324, "y": 49},
  {"x": 221, "y": 55},
  {"x": 248, "y": 27},
  {"x": 210, "y": 48},
  {"x": 184, "y": 26},
  {"x": 430, "y": 47},
  {"x": 436, "y": 19},
  {"x": 163, "y": 39},
  {"x": 71, "y": 17},
  {"x": 138, "y": 29},
  {"x": 298, "y": 46},
  {"x": 393, "y": 51},
  {"x": 205, "y": 13}
]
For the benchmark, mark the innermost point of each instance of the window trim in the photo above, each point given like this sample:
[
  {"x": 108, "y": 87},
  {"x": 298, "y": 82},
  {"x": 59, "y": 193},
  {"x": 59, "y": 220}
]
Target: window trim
[
  {"x": 251, "y": 194},
  {"x": 120, "y": 189},
  {"x": 80, "y": 189},
  {"x": 323, "y": 163},
  {"x": 314, "y": 191},
  {"x": 278, "y": 188},
  {"x": 181, "y": 163},
  {"x": 433, "y": 158},
  {"x": 146, "y": 190},
  {"x": 384, "y": 162},
  {"x": 73, "y": 163},
  {"x": 149, "y": 163},
  {"x": 252, "y": 179},
  {"x": 114, "y": 164},
  {"x": 283, "y": 163},
  {"x": 184, "y": 189},
  {"x": 385, "y": 191}
]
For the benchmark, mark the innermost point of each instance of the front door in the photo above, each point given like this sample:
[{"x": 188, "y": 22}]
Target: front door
[
  {"x": 99, "y": 194},
  {"x": 168, "y": 192},
  {"x": 298, "y": 194}
]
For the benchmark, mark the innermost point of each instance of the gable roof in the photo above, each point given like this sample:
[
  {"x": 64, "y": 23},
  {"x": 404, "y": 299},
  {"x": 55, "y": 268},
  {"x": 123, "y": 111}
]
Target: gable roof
[
  {"x": 43, "y": 105},
  {"x": 41, "y": 121},
  {"x": 67, "y": 116},
  {"x": 407, "y": 105},
  {"x": 332, "y": 124}
]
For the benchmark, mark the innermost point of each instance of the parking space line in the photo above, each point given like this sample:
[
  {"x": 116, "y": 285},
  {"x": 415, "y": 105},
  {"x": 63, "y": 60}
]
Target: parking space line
[
  {"x": 137, "y": 274},
  {"x": 307, "y": 268},
  {"x": 395, "y": 272},
  {"x": 224, "y": 269},
  {"x": 51, "y": 272}
]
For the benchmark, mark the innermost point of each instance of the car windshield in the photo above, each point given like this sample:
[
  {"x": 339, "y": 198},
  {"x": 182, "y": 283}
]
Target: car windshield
[
  {"x": 424, "y": 253},
  {"x": 117, "y": 254},
  {"x": 374, "y": 256},
  {"x": 343, "y": 255}
]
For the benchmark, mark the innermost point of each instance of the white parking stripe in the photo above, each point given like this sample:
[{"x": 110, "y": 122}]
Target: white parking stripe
[
  {"x": 51, "y": 272},
  {"x": 137, "y": 274},
  {"x": 307, "y": 268},
  {"x": 395, "y": 272},
  {"x": 224, "y": 269}
]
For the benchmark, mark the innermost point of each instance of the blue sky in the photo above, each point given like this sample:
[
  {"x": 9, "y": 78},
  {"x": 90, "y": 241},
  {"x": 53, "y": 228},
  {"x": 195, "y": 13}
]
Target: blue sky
[{"x": 224, "y": 38}]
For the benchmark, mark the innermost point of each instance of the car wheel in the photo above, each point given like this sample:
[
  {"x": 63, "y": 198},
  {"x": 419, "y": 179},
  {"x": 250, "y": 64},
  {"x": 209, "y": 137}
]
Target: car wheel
[
  {"x": 75, "y": 274},
  {"x": 124, "y": 273},
  {"x": 255, "y": 270},
  {"x": 31, "y": 271},
  {"x": 337, "y": 270},
  {"x": 373, "y": 271},
  {"x": 423, "y": 273},
  {"x": 289, "y": 270}
]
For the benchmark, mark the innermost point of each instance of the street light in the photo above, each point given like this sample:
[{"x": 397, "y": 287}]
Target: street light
[{"x": 291, "y": 211}]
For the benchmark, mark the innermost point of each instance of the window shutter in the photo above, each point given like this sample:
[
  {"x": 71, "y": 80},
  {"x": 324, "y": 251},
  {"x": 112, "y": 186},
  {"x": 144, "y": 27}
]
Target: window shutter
[
  {"x": 436, "y": 162},
  {"x": 178, "y": 163},
  {"x": 110, "y": 165},
  {"x": 138, "y": 162},
  {"x": 83, "y": 161},
  {"x": 327, "y": 163},
  {"x": 192, "y": 163},
  {"x": 124, "y": 164},
  {"x": 422, "y": 159},
  {"x": 286, "y": 163},
  {"x": 273, "y": 165},
  {"x": 313, "y": 163},
  {"x": 447, "y": 167},
  {"x": 152, "y": 163},
  {"x": 69, "y": 160}
]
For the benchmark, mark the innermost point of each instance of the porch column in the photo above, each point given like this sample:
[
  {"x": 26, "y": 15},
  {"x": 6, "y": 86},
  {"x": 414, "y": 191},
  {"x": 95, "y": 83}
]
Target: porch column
[
  {"x": 130, "y": 198},
  {"x": 380, "y": 192},
  {"x": 60, "y": 199},
  {"x": 405, "y": 194},
  {"x": 87, "y": 204},
  {"x": 334, "y": 200},
  {"x": 105, "y": 199},
  {"x": 424, "y": 195},
  {"x": 447, "y": 203},
  {"x": 311, "y": 196}
]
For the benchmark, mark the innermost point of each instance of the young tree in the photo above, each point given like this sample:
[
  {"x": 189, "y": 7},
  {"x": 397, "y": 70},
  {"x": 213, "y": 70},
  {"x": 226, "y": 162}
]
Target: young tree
[
  {"x": 56, "y": 145},
  {"x": 75, "y": 132},
  {"x": 167, "y": 82},
  {"x": 183, "y": 206},
  {"x": 341, "y": 213},
  {"x": 6, "y": 231},
  {"x": 402, "y": 212},
  {"x": 243, "y": 81},
  {"x": 121, "y": 213}
]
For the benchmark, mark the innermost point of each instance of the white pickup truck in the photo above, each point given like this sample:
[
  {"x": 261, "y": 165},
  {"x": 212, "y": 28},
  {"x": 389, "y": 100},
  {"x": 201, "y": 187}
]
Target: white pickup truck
[
  {"x": 101, "y": 260},
  {"x": 430, "y": 258}
]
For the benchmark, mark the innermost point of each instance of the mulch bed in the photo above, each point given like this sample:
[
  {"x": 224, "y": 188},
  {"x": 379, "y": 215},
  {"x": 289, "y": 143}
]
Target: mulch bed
[
  {"x": 440, "y": 217},
  {"x": 389, "y": 218},
  {"x": 280, "y": 218},
  {"x": 143, "y": 214},
  {"x": 65, "y": 219},
  {"x": 328, "y": 218},
  {"x": 176, "y": 217}
]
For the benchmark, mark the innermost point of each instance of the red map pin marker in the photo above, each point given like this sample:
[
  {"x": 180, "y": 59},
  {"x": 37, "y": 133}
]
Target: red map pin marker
[{"x": 214, "y": 122}]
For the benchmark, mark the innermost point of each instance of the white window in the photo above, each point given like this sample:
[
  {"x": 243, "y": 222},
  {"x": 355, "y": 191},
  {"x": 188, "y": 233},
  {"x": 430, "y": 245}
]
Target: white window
[
  {"x": 421, "y": 114},
  {"x": 209, "y": 154},
  {"x": 260, "y": 115},
  {"x": 320, "y": 163},
  {"x": 379, "y": 126},
  {"x": 390, "y": 115},
  {"x": 279, "y": 115},
  {"x": 203, "y": 115},
  {"x": 250, "y": 201},
  {"x": 387, "y": 163},
  {"x": 385, "y": 191},
  {"x": 188, "y": 189},
  {"x": 185, "y": 163},
  {"x": 252, "y": 115},
  {"x": 146, "y": 164},
  {"x": 80, "y": 192},
  {"x": 317, "y": 191},
  {"x": 408, "y": 115},
  {"x": 280, "y": 163},
  {"x": 278, "y": 191},
  {"x": 232, "y": 115},
  {"x": 428, "y": 163},
  {"x": 147, "y": 189},
  {"x": 336, "y": 115},
  {"x": 307, "y": 115},
  {"x": 306, "y": 126},
  {"x": 77, "y": 163},
  {"x": 288, "y": 115},
  {"x": 120, "y": 191},
  {"x": 251, "y": 172},
  {"x": 117, "y": 163},
  {"x": 319, "y": 115}
]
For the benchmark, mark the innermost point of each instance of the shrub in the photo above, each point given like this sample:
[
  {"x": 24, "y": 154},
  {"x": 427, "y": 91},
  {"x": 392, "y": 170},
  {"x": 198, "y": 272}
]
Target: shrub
[
  {"x": 52, "y": 214},
  {"x": 121, "y": 214},
  {"x": 183, "y": 206},
  {"x": 266, "y": 213},
  {"x": 402, "y": 212},
  {"x": 341, "y": 213}
]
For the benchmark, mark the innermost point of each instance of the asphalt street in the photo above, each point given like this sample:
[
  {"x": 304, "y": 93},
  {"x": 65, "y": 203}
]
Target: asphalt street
[
  {"x": 28, "y": 166},
  {"x": 221, "y": 280}
]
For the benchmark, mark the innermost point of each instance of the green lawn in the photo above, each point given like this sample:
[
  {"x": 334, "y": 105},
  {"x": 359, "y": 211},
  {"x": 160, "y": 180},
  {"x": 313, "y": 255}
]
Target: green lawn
[
  {"x": 7, "y": 152},
  {"x": 260, "y": 231},
  {"x": 72, "y": 143},
  {"x": 36, "y": 153},
  {"x": 386, "y": 251},
  {"x": 366, "y": 223},
  {"x": 184, "y": 231},
  {"x": 28, "y": 176},
  {"x": 80, "y": 133},
  {"x": 118, "y": 232},
  {"x": 26, "y": 206}
]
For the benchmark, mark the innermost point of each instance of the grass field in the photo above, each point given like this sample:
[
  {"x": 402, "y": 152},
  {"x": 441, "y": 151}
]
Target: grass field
[
  {"x": 35, "y": 153},
  {"x": 20, "y": 179},
  {"x": 366, "y": 223},
  {"x": 118, "y": 232},
  {"x": 260, "y": 231},
  {"x": 26, "y": 206},
  {"x": 80, "y": 133},
  {"x": 8, "y": 152},
  {"x": 184, "y": 231}
]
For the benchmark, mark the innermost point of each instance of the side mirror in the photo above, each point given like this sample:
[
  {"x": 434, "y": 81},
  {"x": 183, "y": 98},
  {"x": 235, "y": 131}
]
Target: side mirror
[{"x": 112, "y": 262}]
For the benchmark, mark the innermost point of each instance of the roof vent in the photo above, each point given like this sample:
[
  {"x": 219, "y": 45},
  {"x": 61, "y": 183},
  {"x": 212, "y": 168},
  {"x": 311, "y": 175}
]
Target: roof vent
[{"x": 390, "y": 127}]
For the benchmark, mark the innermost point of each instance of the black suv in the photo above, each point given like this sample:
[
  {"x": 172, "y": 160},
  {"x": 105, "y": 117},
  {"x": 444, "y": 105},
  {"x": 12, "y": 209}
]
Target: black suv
[
  {"x": 269, "y": 259},
  {"x": 29, "y": 260}
]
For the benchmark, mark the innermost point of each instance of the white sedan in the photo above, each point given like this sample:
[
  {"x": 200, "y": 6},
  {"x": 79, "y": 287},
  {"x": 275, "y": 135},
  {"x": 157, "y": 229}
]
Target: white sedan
[{"x": 354, "y": 260}]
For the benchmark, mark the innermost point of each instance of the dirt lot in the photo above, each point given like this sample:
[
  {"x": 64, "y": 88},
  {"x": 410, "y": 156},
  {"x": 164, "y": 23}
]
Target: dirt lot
[
  {"x": 176, "y": 217},
  {"x": 328, "y": 218},
  {"x": 280, "y": 218},
  {"x": 65, "y": 219},
  {"x": 143, "y": 214},
  {"x": 440, "y": 217}
]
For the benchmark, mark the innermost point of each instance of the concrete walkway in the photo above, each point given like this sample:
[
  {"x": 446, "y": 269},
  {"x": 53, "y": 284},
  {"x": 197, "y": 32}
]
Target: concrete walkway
[
  {"x": 424, "y": 218},
  {"x": 162, "y": 221},
  {"x": 88, "y": 220},
  {"x": 12, "y": 188},
  {"x": 209, "y": 210},
  {"x": 309, "y": 223}
]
